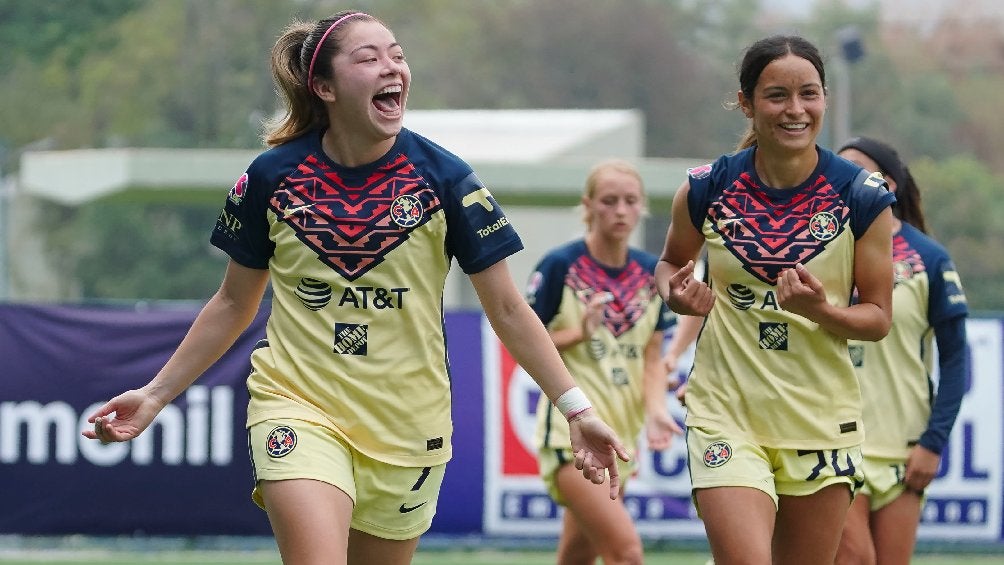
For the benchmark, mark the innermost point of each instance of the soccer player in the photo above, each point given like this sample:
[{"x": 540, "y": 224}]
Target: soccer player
[
  {"x": 905, "y": 427},
  {"x": 597, "y": 297},
  {"x": 355, "y": 220},
  {"x": 773, "y": 404}
]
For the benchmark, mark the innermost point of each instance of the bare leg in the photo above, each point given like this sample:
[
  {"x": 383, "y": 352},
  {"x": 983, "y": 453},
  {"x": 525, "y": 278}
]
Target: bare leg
[
  {"x": 894, "y": 528},
  {"x": 856, "y": 544},
  {"x": 809, "y": 527},
  {"x": 604, "y": 522},
  {"x": 366, "y": 549},
  {"x": 310, "y": 520},
  {"x": 739, "y": 522},
  {"x": 574, "y": 548}
]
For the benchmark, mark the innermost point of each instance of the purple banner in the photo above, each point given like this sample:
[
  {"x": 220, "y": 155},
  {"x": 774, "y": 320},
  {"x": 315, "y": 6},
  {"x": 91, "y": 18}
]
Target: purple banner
[{"x": 189, "y": 474}]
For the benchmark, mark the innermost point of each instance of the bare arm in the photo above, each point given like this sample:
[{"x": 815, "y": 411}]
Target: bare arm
[
  {"x": 219, "y": 323},
  {"x": 595, "y": 445},
  {"x": 687, "y": 329},
  {"x": 870, "y": 319},
  {"x": 659, "y": 423},
  {"x": 593, "y": 317},
  {"x": 674, "y": 274}
]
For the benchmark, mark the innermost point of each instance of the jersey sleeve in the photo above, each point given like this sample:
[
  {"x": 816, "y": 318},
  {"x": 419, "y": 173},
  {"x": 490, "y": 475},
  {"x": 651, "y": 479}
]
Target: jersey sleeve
[
  {"x": 478, "y": 231},
  {"x": 953, "y": 365},
  {"x": 870, "y": 195},
  {"x": 545, "y": 287},
  {"x": 242, "y": 226},
  {"x": 946, "y": 299}
]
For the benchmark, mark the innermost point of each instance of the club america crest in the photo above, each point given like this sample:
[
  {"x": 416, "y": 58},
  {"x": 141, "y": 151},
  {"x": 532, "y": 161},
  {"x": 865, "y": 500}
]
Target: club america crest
[
  {"x": 280, "y": 441},
  {"x": 823, "y": 226},
  {"x": 717, "y": 454},
  {"x": 406, "y": 211}
]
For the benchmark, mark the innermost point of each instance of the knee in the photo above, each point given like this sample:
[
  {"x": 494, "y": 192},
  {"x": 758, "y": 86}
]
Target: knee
[
  {"x": 627, "y": 554},
  {"x": 855, "y": 554}
]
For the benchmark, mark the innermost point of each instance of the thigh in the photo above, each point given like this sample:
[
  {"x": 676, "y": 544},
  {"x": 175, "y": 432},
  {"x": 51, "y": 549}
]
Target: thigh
[
  {"x": 367, "y": 549},
  {"x": 739, "y": 522},
  {"x": 310, "y": 520},
  {"x": 604, "y": 522},
  {"x": 894, "y": 528},
  {"x": 809, "y": 526},
  {"x": 856, "y": 545}
]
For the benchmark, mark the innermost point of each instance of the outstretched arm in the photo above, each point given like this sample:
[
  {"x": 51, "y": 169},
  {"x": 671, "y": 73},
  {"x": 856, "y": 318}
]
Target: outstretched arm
[
  {"x": 218, "y": 325},
  {"x": 595, "y": 445}
]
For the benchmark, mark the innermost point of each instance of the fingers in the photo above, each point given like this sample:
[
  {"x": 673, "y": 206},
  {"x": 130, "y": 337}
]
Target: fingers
[
  {"x": 615, "y": 481},
  {"x": 682, "y": 274}
]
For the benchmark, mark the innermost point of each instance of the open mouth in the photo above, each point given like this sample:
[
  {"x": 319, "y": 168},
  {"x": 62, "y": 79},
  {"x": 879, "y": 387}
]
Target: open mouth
[{"x": 388, "y": 100}]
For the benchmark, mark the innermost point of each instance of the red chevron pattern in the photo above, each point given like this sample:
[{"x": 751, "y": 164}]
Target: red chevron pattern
[
  {"x": 352, "y": 228},
  {"x": 768, "y": 237},
  {"x": 633, "y": 289}
]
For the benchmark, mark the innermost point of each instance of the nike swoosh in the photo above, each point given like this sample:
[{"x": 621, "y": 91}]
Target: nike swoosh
[
  {"x": 405, "y": 509},
  {"x": 288, "y": 212}
]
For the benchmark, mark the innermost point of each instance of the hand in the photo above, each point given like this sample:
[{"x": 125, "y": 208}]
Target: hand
[
  {"x": 593, "y": 317},
  {"x": 134, "y": 410},
  {"x": 681, "y": 394},
  {"x": 799, "y": 292},
  {"x": 921, "y": 466},
  {"x": 688, "y": 295},
  {"x": 670, "y": 363},
  {"x": 596, "y": 448},
  {"x": 660, "y": 429}
]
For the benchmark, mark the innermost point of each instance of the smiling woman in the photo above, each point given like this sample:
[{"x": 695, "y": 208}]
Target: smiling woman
[
  {"x": 355, "y": 221},
  {"x": 774, "y": 409}
]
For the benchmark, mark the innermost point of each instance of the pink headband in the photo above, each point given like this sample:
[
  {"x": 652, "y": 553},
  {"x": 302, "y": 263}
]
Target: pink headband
[{"x": 317, "y": 49}]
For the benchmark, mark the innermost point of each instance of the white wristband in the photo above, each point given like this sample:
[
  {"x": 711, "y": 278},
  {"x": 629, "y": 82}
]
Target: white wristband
[{"x": 572, "y": 403}]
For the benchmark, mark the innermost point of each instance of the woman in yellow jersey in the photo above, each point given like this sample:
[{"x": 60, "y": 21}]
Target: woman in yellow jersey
[
  {"x": 906, "y": 426},
  {"x": 354, "y": 220},
  {"x": 773, "y": 405},
  {"x": 597, "y": 297}
]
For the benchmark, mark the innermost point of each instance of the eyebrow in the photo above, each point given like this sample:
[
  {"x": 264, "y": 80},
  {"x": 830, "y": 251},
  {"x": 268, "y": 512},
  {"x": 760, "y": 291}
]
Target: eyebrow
[{"x": 373, "y": 47}]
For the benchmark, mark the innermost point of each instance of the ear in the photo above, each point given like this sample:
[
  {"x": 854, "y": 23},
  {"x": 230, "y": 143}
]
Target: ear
[
  {"x": 322, "y": 88},
  {"x": 745, "y": 104}
]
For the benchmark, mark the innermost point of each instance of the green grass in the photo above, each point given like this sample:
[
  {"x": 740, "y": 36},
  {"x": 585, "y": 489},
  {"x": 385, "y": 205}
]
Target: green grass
[{"x": 424, "y": 557}]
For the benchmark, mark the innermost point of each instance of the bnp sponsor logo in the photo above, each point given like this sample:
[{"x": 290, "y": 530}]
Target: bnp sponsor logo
[{"x": 200, "y": 434}]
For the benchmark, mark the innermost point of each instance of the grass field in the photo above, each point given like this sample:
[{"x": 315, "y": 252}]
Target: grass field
[{"x": 424, "y": 557}]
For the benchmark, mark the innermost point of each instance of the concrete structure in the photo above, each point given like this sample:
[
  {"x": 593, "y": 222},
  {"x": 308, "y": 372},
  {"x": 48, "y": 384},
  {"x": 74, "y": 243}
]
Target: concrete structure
[{"x": 517, "y": 153}]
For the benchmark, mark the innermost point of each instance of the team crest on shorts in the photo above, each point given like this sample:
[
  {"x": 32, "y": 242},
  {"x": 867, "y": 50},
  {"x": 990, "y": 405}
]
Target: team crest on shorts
[
  {"x": 717, "y": 454},
  {"x": 823, "y": 226},
  {"x": 280, "y": 441},
  {"x": 406, "y": 211}
]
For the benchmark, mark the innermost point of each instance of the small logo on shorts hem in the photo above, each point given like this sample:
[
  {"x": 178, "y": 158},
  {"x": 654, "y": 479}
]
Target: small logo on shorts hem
[
  {"x": 405, "y": 509},
  {"x": 717, "y": 454},
  {"x": 848, "y": 427},
  {"x": 280, "y": 441}
]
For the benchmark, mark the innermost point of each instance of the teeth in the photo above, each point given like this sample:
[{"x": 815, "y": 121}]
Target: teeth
[
  {"x": 395, "y": 89},
  {"x": 793, "y": 126}
]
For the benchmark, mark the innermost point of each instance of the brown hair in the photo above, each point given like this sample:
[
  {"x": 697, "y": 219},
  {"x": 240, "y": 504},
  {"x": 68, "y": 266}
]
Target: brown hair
[
  {"x": 291, "y": 58},
  {"x": 908, "y": 206},
  {"x": 763, "y": 53}
]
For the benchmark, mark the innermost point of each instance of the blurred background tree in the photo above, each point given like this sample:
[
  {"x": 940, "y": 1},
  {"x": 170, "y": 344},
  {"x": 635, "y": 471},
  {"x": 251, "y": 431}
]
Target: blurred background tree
[{"x": 194, "y": 73}]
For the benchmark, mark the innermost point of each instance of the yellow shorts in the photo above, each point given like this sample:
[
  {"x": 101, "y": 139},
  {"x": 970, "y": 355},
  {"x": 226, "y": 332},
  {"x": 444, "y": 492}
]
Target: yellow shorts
[
  {"x": 883, "y": 480},
  {"x": 550, "y": 460},
  {"x": 391, "y": 502},
  {"x": 722, "y": 459}
]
